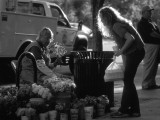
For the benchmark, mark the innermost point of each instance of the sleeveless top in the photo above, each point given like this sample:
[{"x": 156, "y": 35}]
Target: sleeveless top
[{"x": 119, "y": 29}]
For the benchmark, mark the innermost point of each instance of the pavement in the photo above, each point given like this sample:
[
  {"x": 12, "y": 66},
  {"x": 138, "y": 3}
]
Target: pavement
[{"x": 149, "y": 99}]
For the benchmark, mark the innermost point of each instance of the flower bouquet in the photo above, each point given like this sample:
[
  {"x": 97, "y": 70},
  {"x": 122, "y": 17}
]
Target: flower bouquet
[
  {"x": 56, "y": 49},
  {"x": 44, "y": 100},
  {"x": 61, "y": 89},
  {"x": 59, "y": 85},
  {"x": 90, "y": 101},
  {"x": 41, "y": 91}
]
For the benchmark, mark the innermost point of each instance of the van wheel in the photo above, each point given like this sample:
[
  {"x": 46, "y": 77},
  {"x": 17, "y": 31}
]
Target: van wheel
[{"x": 80, "y": 45}]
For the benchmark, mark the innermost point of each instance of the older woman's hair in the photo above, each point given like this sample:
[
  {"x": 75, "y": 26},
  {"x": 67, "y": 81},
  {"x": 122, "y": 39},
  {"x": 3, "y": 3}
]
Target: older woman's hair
[
  {"x": 106, "y": 18},
  {"x": 46, "y": 32}
]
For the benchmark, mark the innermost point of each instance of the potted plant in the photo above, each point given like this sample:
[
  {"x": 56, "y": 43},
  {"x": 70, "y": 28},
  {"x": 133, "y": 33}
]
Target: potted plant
[
  {"x": 62, "y": 112},
  {"x": 90, "y": 101},
  {"x": 26, "y": 113},
  {"x": 52, "y": 112},
  {"x": 59, "y": 85},
  {"x": 74, "y": 108},
  {"x": 61, "y": 89},
  {"x": 89, "y": 109},
  {"x": 102, "y": 103}
]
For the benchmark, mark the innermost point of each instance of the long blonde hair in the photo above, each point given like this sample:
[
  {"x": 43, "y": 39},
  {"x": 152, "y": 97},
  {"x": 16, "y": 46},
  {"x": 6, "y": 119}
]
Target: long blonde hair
[{"x": 106, "y": 18}]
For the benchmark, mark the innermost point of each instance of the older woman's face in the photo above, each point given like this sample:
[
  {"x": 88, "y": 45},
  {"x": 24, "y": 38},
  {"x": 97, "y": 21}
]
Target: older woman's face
[{"x": 46, "y": 40}]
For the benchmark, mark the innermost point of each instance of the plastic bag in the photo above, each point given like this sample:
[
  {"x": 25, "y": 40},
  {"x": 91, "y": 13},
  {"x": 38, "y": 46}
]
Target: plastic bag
[{"x": 114, "y": 72}]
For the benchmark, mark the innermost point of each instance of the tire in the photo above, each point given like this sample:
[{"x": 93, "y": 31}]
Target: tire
[
  {"x": 7, "y": 74},
  {"x": 81, "y": 43}
]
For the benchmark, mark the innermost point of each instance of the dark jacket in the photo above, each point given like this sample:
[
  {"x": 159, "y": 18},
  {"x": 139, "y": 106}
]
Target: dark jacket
[{"x": 145, "y": 28}]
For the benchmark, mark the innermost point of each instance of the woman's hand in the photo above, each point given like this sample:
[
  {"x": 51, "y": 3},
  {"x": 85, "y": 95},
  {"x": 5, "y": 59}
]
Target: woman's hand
[
  {"x": 58, "y": 61},
  {"x": 118, "y": 53}
]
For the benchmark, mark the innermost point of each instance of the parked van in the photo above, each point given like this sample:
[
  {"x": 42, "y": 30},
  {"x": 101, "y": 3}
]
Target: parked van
[{"x": 21, "y": 21}]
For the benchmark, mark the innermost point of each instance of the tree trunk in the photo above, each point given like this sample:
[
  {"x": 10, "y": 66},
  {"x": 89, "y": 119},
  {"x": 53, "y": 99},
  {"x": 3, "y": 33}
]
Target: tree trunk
[{"x": 97, "y": 37}]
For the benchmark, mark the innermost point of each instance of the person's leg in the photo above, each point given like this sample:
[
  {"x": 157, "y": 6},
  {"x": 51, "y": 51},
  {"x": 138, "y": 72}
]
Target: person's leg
[
  {"x": 150, "y": 65},
  {"x": 130, "y": 102}
]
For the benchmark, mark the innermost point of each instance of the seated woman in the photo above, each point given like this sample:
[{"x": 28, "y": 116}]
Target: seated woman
[{"x": 44, "y": 65}]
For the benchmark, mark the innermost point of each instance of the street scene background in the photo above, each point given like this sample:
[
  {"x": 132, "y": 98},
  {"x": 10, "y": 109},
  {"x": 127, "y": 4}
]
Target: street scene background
[
  {"x": 81, "y": 10},
  {"x": 149, "y": 100}
]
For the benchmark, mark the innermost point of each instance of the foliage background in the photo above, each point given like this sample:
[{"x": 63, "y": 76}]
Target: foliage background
[
  {"x": 86, "y": 11},
  {"x": 81, "y": 9}
]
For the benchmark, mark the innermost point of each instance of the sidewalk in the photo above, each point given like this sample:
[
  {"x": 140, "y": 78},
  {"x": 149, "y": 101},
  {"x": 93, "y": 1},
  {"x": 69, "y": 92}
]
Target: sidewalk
[
  {"x": 149, "y": 105},
  {"x": 149, "y": 99}
]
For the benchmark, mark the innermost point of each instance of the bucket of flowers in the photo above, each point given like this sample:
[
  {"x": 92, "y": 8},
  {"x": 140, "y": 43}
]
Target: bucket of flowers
[
  {"x": 77, "y": 109},
  {"x": 102, "y": 104},
  {"x": 61, "y": 88},
  {"x": 89, "y": 109},
  {"x": 24, "y": 110},
  {"x": 62, "y": 111},
  {"x": 56, "y": 50},
  {"x": 32, "y": 101}
]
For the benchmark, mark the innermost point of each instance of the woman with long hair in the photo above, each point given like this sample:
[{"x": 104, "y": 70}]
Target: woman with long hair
[{"x": 131, "y": 47}]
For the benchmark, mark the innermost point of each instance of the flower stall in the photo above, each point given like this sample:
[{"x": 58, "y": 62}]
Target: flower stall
[
  {"x": 49, "y": 102},
  {"x": 54, "y": 99},
  {"x": 37, "y": 102}
]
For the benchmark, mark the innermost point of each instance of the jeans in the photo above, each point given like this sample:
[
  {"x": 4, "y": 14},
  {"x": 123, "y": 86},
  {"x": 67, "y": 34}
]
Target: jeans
[{"x": 130, "y": 101}]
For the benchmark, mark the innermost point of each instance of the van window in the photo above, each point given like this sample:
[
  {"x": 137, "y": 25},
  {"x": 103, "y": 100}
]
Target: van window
[
  {"x": 10, "y": 5},
  {"x": 58, "y": 13},
  {"x": 38, "y": 9},
  {"x": 23, "y": 7}
]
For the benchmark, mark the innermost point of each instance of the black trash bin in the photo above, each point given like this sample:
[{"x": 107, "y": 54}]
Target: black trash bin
[{"x": 89, "y": 69}]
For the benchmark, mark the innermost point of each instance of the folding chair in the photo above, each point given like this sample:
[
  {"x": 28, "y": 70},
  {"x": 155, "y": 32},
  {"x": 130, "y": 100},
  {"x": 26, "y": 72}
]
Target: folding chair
[{"x": 17, "y": 67}]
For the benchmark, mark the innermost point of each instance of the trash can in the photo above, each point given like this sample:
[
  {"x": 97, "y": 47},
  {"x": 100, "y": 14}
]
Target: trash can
[{"x": 89, "y": 70}]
